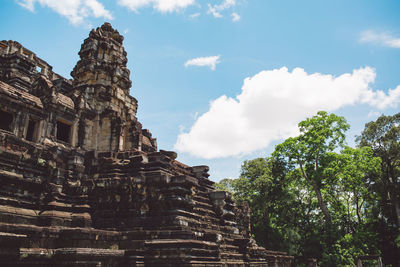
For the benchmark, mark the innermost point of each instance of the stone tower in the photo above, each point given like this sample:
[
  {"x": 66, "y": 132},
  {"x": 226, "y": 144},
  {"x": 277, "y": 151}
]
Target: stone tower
[{"x": 101, "y": 91}]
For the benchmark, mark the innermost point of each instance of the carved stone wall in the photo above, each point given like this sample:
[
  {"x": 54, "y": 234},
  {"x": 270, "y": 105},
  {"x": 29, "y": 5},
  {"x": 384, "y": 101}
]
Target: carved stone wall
[{"x": 82, "y": 184}]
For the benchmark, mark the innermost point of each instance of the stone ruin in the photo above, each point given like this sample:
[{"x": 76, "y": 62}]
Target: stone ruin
[{"x": 83, "y": 184}]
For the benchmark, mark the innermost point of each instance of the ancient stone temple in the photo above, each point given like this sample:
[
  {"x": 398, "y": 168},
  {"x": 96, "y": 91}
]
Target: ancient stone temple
[{"x": 83, "y": 184}]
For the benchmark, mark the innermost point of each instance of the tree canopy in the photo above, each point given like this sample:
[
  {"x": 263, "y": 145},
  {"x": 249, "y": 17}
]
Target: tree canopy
[{"x": 315, "y": 197}]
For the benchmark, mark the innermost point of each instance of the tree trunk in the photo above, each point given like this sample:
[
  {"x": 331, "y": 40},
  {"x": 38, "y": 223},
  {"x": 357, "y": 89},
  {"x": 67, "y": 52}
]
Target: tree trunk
[
  {"x": 317, "y": 191},
  {"x": 321, "y": 203},
  {"x": 397, "y": 210},
  {"x": 358, "y": 209}
]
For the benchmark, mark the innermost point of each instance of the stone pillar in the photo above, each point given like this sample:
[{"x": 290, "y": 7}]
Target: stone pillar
[
  {"x": 44, "y": 71},
  {"x": 74, "y": 133},
  {"x": 25, "y": 125},
  {"x": 16, "y": 125}
]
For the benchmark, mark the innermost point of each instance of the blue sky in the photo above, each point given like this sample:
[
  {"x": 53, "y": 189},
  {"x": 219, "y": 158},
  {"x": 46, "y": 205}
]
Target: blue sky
[{"x": 222, "y": 81}]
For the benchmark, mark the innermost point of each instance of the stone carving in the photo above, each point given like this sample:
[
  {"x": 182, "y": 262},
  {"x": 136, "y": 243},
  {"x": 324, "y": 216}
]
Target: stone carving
[{"x": 82, "y": 184}]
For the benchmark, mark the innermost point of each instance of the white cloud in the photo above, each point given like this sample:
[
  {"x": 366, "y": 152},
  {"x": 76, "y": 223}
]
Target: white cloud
[
  {"x": 28, "y": 4},
  {"x": 134, "y": 5},
  {"x": 162, "y": 6},
  {"x": 194, "y": 15},
  {"x": 76, "y": 11},
  {"x": 216, "y": 10},
  {"x": 212, "y": 10},
  {"x": 384, "y": 39},
  {"x": 271, "y": 104},
  {"x": 381, "y": 100},
  {"x": 235, "y": 17},
  {"x": 203, "y": 62}
]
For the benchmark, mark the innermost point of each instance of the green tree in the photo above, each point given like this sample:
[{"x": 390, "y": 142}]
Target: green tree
[
  {"x": 263, "y": 184},
  {"x": 225, "y": 185},
  {"x": 350, "y": 175},
  {"x": 337, "y": 183},
  {"x": 314, "y": 197},
  {"x": 319, "y": 135},
  {"x": 383, "y": 136}
]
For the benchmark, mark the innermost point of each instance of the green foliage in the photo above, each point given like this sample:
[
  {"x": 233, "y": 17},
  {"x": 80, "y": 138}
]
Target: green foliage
[
  {"x": 383, "y": 136},
  {"x": 319, "y": 136},
  {"x": 315, "y": 197},
  {"x": 224, "y": 185}
]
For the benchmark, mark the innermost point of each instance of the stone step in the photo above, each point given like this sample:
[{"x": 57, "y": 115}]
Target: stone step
[
  {"x": 231, "y": 256},
  {"x": 158, "y": 234},
  {"x": 204, "y": 212}
]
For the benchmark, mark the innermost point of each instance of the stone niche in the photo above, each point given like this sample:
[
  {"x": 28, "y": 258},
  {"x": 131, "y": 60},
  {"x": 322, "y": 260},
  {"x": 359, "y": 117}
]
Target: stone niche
[{"x": 83, "y": 184}]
